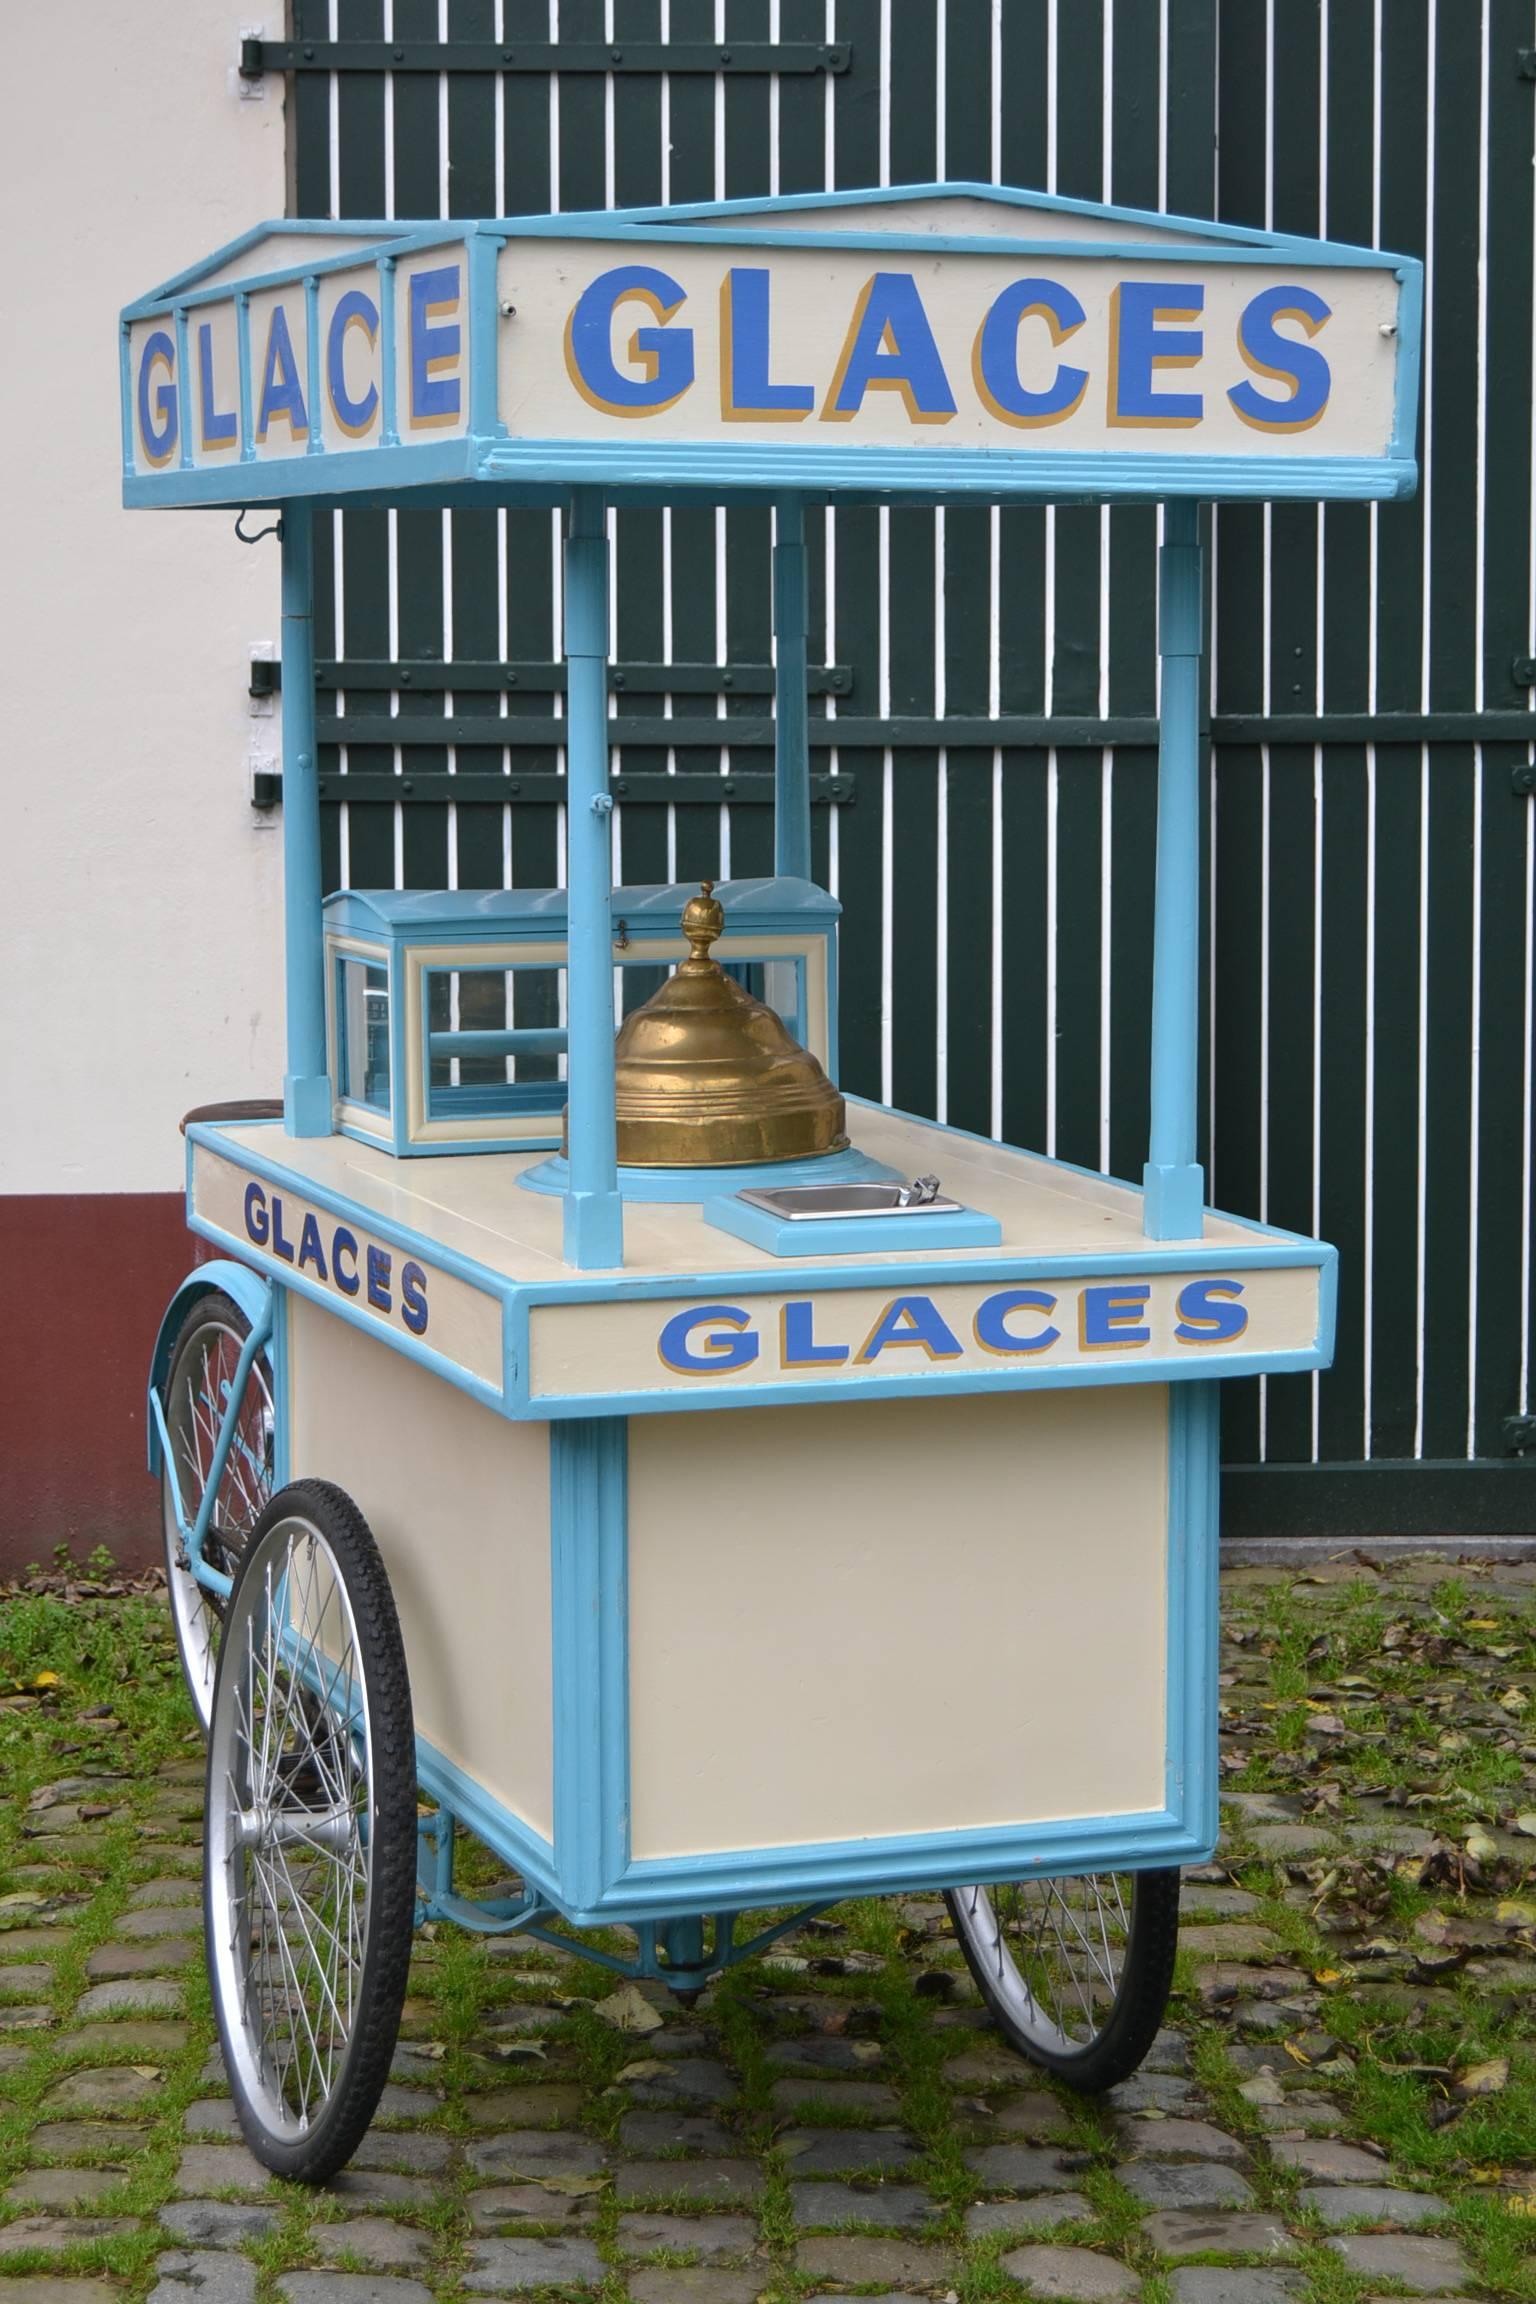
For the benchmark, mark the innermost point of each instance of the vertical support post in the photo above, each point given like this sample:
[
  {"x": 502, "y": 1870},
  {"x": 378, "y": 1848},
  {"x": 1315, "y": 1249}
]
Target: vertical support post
[
  {"x": 791, "y": 732},
  {"x": 594, "y": 1212},
  {"x": 306, "y": 1087},
  {"x": 1174, "y": 1181},
  {"x": 589, "y": 1594}
]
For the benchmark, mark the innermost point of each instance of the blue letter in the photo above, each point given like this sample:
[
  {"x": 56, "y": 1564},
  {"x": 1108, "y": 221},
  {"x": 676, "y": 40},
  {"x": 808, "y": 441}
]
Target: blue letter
[
  {"x": 310, "y": 1251},
  {"x": 344, "y": 1243},
  {"x": 1140, "y": 344},
  {"x": 1280, "y": 357},
  {"x": 1108, "y": 1318},
  {"x": 256, "y": 1225},
  {"x": 1208, "y": 1314},
  {"x": 281, "y": 1244},
  {"x": 730, "y": 1343},
  {"x": 798, "y": 1347},
  {"x": 664, "y": 356},
  {"x": 434, "y": 349},
  {"x": 746, "y": 396},
  {"x": 158, "y": 442},
  {"x": 889, "y": 347},
  {"x": 218, "y": 427},
  {"x": 281, "y": 393},
  {"x": 413, "y": 1298},
  {"x": 991, "y": 1323},
  {"x": 353, "y": 310},
  {"x": 911, "y": 1320},
  {"x": 995, "y": 360},
  {"x": 378, "y": 1278}
]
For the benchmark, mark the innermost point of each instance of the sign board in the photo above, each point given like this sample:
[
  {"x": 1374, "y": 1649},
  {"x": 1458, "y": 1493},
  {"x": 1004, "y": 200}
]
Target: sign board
[{"x": 964, "y": 340}]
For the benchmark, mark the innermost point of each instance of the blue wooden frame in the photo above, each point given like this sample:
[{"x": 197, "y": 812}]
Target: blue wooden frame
[
  {"x": 493, "y": 467},
  {"x": 513, "y": 1398}
]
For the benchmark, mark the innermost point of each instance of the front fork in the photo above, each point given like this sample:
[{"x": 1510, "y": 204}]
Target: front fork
[{"x": 194, "y": 1536}]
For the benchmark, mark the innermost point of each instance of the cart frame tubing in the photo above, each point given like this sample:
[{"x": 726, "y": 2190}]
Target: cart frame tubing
[
  {"x": 306, "y": 1084},
  {"x": 1174, "y": 1181},
  {"x": 594, "y": 1212},
  {"x": 194, "y": 1536}
]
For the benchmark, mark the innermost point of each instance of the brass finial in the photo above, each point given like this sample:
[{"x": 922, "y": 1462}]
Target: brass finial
[{"x": 703, "y": 921}]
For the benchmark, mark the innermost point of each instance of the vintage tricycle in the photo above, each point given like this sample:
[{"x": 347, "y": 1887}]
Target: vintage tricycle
[{"x": 589, "y": 1439}]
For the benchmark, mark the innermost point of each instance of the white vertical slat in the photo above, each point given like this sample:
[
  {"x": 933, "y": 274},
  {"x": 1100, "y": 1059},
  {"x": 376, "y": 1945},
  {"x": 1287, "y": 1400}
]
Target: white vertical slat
[
  {"x": 829, "y": 520},
  {"x": 1372, "y": 671},
  {"x": 503, "y": 572},
  {"x": 887, "y": 771},
  {"x": 1106, "y": 757},
  {"x": 1528, "y": 1083},
  {"x": 1426, "y": 494},
  {"x": 1048, "y": 619},
  {"x": 1319, "y": 692},
  {"x": 941, "y": 851},
  {"x": 1475, "y": 1082},
  {"x": 1267, "y": 615},
  {"x": 338, "y": 549},
  {"x": 994, "y": 658}
]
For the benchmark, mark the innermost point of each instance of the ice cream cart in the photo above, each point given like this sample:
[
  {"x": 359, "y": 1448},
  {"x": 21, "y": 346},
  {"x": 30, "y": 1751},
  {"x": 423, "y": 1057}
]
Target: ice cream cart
[{"x": 581, "y": 1433}]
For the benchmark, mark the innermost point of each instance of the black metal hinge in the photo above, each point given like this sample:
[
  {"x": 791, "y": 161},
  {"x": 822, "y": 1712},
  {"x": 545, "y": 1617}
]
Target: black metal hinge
[
  {"x": 474, "y": 787},
  {"x": 488, "y": 676},
  {"x": 565, "y": 56}
]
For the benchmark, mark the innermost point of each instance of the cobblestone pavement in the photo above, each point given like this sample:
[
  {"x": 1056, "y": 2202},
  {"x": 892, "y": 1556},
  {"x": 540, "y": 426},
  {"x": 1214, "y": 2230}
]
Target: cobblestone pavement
[{"x": 1342, "y": 2105}]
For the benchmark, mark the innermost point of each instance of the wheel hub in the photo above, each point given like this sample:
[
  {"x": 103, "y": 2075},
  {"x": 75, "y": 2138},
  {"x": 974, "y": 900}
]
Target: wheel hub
[{"x": 263, "y": 1828}]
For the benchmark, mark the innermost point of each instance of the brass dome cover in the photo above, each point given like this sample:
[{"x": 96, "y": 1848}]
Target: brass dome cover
[{"x": 707, "y": 1077}]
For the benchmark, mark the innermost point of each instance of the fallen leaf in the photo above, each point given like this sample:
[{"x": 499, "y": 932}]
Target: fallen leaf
[
  {"x": 1511, "y": 1913},
  {"x": 1480, "y": 1848},
  {"x": 628, "y": 2010},
  {"x": 647, "y": 2068},
  {"x": 147, "y": 2071},
  {"x": 1483, "y": 2079},
  {"x": 1526, "y": 1822}
]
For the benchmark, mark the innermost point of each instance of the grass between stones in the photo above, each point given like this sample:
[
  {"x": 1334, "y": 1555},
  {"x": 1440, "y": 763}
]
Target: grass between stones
[{"x": 1386, "y": 1722}]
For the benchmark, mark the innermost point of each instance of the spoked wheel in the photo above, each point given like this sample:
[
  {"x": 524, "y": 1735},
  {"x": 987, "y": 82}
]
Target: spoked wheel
[
  {"x": 1076, "y": 1972},
  {"x": 311, "y": 1834},
  {"x": 198, "y": 1393}
]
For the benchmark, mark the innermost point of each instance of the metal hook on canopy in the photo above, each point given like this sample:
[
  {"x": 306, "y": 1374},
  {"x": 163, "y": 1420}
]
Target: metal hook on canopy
[{"x": 276, "y": 528}]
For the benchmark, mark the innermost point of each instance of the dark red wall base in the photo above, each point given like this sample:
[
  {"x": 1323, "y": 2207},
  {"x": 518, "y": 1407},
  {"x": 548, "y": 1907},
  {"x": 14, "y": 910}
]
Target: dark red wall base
[{"x": 86, "y": 1280}]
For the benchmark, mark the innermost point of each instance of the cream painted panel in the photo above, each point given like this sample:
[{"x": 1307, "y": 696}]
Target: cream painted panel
[
  {"x": 896, "y": 1618},
  {"x": 939, "y": 1324},
  {"x": 474, "y": 1206},
  {"x": 445, "y": 1313},
  {"x": 459, "y": 1501},
  {"x": 815, "y": 296},
  {"x": 960, "y": 216}
]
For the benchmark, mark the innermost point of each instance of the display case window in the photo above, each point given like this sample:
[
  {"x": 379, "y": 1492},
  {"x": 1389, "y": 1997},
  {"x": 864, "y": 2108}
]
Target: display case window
[
  {"x": 495, "y": 1041},
  {"x": 362, "y": 1033}
]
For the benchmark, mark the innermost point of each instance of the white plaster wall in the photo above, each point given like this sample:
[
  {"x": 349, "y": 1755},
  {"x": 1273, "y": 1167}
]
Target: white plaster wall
[{"x": 140, "y": 895}]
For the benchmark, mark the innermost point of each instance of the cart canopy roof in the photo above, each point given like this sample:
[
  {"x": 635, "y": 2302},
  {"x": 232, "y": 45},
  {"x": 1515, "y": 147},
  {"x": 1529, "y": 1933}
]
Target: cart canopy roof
[{"x": 928, "y": 343}]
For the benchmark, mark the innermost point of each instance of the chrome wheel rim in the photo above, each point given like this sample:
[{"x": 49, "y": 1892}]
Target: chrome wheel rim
[
  {"x": 290, "y": 1825},
  {"x": 1054, "y": 1952},
  {"x": 199, "y": 1396}
]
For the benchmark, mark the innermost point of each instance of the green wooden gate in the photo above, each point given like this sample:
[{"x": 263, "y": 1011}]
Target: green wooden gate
[{"x": 987, "y": 681}]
